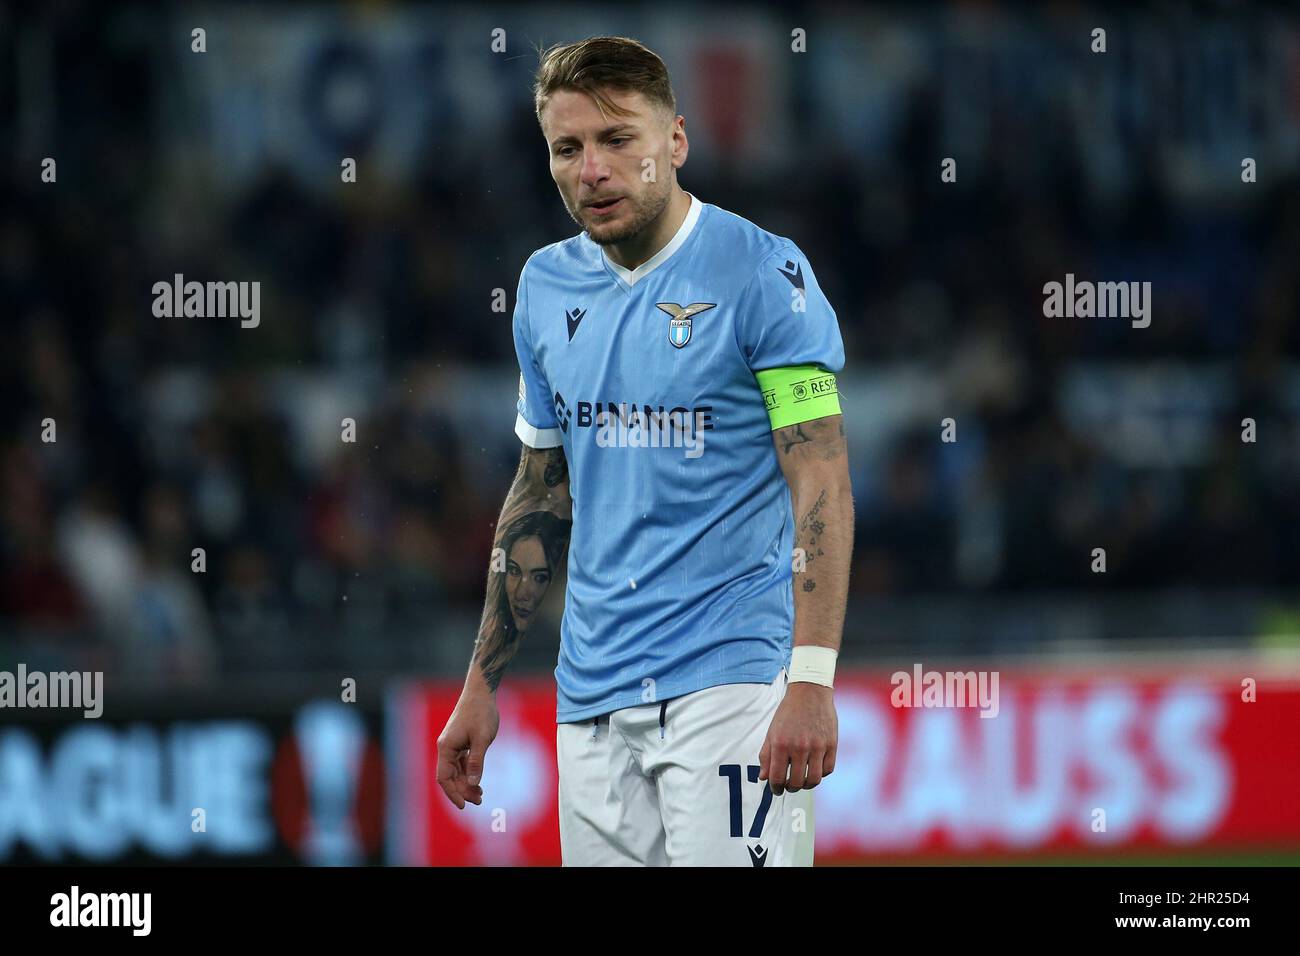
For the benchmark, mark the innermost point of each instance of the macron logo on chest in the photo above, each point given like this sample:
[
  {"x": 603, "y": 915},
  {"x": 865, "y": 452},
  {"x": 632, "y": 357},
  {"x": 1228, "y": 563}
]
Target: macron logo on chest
[{"x": 573, "y": 317}]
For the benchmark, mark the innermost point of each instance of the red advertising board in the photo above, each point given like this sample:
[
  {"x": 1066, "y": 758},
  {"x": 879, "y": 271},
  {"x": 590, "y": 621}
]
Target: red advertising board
[
  {"x": 517, "y": 823},
  {"x": 1063, "y": 763}
]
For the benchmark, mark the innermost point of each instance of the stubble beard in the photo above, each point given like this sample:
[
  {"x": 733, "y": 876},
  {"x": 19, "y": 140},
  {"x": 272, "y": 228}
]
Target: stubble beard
[{"x": 645, "y": 210}]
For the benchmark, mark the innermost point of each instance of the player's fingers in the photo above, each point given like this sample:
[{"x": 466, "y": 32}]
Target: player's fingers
[
  {"x": 763, "y": 756},
  {"x": 816, "y": 765},
  {"x": 474, "y": 763},
  {"x": 778, "y": 768},
  {"x": 448, "y": 765},
  {"x": 449, "y": 779},
  {"x": 798, "y": 769},
  {"x": 828, "y": 765},
  {"x": 469, "y": 793}
]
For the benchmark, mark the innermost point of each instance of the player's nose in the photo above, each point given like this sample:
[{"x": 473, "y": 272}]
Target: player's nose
[{"x": 594, "y": 169}]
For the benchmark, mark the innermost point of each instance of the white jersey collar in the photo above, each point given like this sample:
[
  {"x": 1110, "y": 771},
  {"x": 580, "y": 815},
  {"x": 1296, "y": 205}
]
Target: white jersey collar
[{"x": 632, "y": 276}]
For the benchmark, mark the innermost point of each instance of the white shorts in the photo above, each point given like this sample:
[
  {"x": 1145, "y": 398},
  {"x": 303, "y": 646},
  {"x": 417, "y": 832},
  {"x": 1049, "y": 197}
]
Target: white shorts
[{"x": 675, "y": 783}]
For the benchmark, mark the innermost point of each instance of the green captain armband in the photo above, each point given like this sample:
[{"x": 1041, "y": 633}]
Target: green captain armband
[{"x": 798, "y": 393}]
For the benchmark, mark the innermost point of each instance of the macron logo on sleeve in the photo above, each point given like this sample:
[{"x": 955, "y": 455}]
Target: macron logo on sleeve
[{"x": 794, "y": 272}]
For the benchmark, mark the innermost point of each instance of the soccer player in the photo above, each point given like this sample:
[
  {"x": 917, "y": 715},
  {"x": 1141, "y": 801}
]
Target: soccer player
[{"x": 680, "y": 422}]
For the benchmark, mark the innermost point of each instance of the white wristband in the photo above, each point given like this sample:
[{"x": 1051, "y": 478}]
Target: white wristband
[{"x": 813, "y": 665}]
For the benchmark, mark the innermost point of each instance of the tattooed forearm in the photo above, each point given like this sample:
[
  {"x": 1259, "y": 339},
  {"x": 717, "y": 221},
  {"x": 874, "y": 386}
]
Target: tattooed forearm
[
  {"x": 790, "y": 436},
  {"x": 823, "y": 438},
  {"x": 811, "y": 522},
  {"x": 811, "y": 527},
  {"x": 557, "y": 469},
  {"x": 531, "y": 543},
  {"x": 814, "y": 459},
  {"x": 492, "y": 656}
]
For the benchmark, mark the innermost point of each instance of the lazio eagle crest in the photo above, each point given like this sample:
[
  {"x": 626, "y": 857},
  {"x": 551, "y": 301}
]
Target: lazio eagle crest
[{"x": 679, "y": 329}]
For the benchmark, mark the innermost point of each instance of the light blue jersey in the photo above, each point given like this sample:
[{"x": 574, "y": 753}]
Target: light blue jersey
[{"x": 682, "y": 541}]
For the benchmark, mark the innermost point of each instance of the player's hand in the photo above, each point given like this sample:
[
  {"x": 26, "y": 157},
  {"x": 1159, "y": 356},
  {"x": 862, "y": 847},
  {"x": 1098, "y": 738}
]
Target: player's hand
[
  {"x": 801, "y": 742},
  {"x": 469, "y": 732}
]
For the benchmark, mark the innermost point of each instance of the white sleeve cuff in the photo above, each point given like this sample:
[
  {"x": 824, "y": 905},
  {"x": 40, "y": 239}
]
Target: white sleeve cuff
[{"x": 537, "y": 437}]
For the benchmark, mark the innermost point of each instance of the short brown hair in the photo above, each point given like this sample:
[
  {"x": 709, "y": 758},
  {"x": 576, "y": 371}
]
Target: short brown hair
[{"x": 594, "y": 64}]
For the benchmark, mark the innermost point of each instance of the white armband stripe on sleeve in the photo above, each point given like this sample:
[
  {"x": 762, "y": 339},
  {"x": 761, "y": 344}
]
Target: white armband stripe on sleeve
[{"x": 537, "y": 437}]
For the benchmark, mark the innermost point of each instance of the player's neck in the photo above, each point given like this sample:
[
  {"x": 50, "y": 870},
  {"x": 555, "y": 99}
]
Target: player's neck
[{"x": 642, "y": 247}]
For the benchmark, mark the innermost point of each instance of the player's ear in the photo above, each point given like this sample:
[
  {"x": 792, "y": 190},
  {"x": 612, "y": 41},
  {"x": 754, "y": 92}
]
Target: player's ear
[{"x": 680, "y": 144}]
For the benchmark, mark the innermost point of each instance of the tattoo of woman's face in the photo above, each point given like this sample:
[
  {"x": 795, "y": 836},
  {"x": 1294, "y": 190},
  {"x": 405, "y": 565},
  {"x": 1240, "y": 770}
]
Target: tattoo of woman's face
[{"x": 528, "y": 576}]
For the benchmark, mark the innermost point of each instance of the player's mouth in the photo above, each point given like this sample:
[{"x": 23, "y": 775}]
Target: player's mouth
[{"x": 603, "y": 206}]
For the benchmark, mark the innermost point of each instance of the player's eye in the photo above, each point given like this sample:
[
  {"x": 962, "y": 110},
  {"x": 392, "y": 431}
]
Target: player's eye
[
  {"x": 619, "y": 140},
  {"x": 564, "y": 151}
]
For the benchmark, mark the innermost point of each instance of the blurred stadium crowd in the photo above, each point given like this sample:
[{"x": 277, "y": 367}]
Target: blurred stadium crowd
[{"x": 175, "y": 434}]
